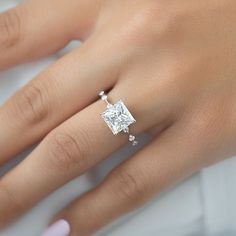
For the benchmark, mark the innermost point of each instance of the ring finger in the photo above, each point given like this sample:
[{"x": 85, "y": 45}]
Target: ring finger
[{"x": 68, "y": 151}]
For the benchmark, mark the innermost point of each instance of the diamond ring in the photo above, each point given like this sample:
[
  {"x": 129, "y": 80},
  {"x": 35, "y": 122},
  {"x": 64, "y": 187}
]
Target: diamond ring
[{"x": 117, "y": 117}]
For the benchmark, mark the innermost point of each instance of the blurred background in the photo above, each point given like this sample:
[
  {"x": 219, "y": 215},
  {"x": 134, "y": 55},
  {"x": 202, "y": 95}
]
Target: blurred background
[{"x": 202, "y": 205}]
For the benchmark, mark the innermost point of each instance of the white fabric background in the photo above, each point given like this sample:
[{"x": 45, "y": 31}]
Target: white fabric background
[{"x": 202, "y": 205}]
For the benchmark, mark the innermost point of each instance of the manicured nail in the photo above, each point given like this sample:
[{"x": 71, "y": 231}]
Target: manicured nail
[{"x": 60, "y": 228}]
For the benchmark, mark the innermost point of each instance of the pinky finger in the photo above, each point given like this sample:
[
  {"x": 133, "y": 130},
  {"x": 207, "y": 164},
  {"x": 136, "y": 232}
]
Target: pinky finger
[{"x": 129, "y": 186}]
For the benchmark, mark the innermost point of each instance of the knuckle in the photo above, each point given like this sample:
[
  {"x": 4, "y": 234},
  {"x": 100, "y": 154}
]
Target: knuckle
[
  {"x": 10, "y": 28},
  {"x": 29, "y": 103},
  {"x": 129, "y": 185},
  {"x": 173, "y": 24},
  {"x": 66, "y": 150},
  {"x": 139, "y": 29},
  {"x": 165, "y": 22}
]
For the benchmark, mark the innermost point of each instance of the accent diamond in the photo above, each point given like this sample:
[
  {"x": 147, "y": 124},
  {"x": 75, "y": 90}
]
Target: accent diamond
[{"x": 131, "y": 138}]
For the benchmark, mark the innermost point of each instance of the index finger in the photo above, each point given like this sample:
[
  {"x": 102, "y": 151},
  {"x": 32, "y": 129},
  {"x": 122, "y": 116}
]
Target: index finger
[{"x": 35, "y": 29}]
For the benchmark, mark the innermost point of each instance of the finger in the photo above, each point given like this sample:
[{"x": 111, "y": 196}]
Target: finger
[
  {"x": 62, "y": 90},
  {"x": 68, "y": 151},
  {"x": 158, "y": 166},
  {"x": 35, "y": 29},
  {"x": 64, "y": 154}
]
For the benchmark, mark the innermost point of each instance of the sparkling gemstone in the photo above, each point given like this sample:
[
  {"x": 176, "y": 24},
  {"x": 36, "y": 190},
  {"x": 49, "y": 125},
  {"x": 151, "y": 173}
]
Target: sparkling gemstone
[
  {"x": 131, "y": 138},
  {"x": 117, "y": 117},
  {"x": 101, "y": 93}
]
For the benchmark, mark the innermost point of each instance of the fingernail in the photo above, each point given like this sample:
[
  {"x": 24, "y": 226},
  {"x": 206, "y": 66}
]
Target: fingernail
[{"x": 60, "y": 228}]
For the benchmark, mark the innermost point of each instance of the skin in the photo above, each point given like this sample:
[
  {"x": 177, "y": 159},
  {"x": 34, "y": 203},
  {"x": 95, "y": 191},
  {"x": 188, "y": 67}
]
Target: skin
[{"x": 178, "y": 56}]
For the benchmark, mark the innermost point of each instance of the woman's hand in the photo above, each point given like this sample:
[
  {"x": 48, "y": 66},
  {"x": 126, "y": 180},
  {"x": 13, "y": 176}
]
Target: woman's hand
[{"x": 173, "y": 64}]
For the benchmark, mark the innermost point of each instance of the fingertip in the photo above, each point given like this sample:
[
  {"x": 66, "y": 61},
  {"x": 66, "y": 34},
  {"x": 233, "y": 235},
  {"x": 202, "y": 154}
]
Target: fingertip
[{"x": 59, "y": 228}]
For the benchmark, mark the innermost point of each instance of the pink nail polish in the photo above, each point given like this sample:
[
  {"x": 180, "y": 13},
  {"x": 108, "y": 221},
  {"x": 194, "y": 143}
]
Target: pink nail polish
[{"x": 59, "y": 228}]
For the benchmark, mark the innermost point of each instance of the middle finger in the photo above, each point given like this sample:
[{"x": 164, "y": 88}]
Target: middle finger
[{"x": 62, "y": 90}]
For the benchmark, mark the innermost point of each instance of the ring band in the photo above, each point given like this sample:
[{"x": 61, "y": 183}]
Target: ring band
[{"x": 117, "y": 117}]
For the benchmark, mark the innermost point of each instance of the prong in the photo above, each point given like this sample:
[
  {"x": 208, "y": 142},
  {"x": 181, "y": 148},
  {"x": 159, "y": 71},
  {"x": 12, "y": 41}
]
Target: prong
[
  {"x": 101, "y": 93},
  {"x": 126, "y": 130},
  {"x": 109, "y": 105},
  {"x": 104, "y": 98}
]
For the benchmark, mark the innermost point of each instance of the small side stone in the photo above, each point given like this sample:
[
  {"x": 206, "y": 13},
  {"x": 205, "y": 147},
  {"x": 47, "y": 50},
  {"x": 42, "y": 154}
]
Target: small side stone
[{"x": 131, "y": 138}]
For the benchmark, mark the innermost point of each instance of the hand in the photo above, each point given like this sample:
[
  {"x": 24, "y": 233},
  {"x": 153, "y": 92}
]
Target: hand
[{"x": 171, "y": 62}]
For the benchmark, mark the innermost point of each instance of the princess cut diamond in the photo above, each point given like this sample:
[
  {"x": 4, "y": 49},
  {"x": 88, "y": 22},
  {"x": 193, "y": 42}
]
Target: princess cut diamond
[{"x": 117, "y": 117}]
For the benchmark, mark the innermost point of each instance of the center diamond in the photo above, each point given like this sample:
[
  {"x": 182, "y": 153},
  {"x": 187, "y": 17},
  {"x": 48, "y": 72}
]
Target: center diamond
[{"x": 117, "y": 117}]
